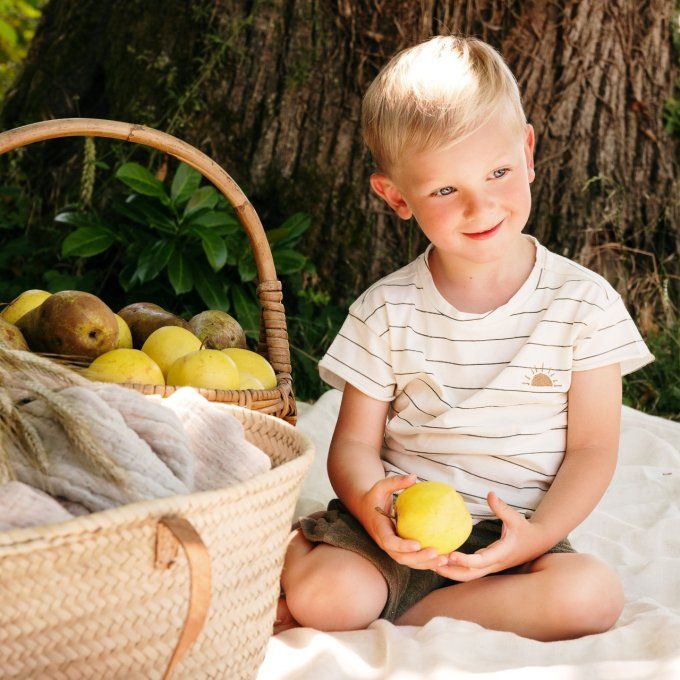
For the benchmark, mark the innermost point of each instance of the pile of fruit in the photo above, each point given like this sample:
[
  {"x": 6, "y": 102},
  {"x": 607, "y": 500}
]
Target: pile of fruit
[{"x": 142, "y": 344}]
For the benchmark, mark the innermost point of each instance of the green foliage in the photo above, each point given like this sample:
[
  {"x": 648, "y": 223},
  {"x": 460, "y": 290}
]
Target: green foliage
[
  {"x": 18, "y": 19},
  {"x": 176, "y": 243},
  {"x": 27, "y": 253},
  {"x": 655, "y": 388},
  {"x": 184, "y": 232},
  {"x": 313, "y": 321},
  {"x": 671, "y": 111}
]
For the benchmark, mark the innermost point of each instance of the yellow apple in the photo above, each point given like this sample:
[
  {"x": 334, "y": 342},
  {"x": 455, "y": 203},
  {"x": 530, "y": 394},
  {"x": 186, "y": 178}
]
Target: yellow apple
[
  {"x": 23, "y": 304},
  {"x": 208, "y": 368},
  {"x": 168, "y": 343},
  {"x": 124, "y": 335},
  {"x": 254, "y": 364},
  {"x": 249, "y": 382},
  {"x": 434, "y": 514},
  {"x": 126, "y": 366}
]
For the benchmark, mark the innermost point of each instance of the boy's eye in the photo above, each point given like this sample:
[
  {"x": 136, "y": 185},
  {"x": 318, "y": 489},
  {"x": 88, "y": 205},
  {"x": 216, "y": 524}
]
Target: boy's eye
[
  {"x": 444, "y": 191},
  {"x": 447, "y": 191}
]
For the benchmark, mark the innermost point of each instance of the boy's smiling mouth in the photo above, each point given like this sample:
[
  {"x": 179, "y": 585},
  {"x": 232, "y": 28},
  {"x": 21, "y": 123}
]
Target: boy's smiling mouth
[{"x": 484, "y": 234}]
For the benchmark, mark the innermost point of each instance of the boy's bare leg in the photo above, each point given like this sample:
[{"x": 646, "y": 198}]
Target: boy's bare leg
[
  {"x": 328, "y": 588},
  {"x": 558, "y": 596},
  {"x": 298, "y": 546}
]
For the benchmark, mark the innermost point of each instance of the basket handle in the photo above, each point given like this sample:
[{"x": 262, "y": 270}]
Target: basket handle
[
  {"x": 269, "y": 291},
  {"x": 169, "y": 531}
]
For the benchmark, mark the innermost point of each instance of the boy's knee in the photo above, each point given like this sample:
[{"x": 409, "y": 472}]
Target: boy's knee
[
  {"x": 587, "y": 596},
  {"x": 337, "y": 590}
]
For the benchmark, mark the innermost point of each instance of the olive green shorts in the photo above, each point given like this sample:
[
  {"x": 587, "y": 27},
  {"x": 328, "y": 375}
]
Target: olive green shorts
[{"x": 405, "y": 585}]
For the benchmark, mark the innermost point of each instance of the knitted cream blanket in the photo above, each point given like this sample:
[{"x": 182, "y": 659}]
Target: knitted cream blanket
[
  {"x": 23, "y": 506},
  {"x": 181, "y": 444}
]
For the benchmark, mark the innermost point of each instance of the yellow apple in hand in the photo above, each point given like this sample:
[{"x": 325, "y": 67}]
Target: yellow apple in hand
[{"x": 434, "y": 514}]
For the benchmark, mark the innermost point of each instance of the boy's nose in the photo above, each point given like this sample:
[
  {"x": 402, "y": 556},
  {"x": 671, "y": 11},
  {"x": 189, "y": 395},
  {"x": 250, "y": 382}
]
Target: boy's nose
[{"x": 477, "y": 208}]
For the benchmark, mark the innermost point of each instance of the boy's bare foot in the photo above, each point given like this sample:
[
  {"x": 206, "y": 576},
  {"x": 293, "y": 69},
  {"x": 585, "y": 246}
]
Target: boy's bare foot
[{"x": 284, "y": 619}]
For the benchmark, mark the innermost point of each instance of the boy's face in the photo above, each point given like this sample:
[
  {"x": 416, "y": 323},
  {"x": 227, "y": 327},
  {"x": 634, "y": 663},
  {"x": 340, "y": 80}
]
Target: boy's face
[{"x": 471, "y": 187}]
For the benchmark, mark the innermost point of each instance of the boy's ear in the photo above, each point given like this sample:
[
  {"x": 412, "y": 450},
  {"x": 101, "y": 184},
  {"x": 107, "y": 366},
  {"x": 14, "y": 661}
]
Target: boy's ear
[
  {"x": 529, "y": 145},
  {"x": 387, "y": 190}
]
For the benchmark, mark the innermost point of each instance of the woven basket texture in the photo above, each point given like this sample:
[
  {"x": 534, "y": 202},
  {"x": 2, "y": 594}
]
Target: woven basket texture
[{"x": 83, "y": 599}]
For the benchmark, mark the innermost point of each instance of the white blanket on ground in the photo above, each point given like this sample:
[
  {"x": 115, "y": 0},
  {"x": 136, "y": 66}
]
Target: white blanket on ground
[{"x": 635, "y": 528}]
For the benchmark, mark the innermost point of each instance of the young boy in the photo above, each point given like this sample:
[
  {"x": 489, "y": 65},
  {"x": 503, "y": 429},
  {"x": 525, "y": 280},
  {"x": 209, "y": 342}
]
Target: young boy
[{"x": 489, "y": 363}]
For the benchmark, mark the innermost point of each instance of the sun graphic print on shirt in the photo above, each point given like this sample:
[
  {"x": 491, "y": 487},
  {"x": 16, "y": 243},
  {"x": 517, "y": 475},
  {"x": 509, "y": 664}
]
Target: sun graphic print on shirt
[{"x": 541, "y": 377}]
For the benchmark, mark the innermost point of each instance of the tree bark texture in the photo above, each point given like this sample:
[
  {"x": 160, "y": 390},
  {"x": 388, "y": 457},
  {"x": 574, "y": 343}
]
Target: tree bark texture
[{"x": 272, "y": 91}]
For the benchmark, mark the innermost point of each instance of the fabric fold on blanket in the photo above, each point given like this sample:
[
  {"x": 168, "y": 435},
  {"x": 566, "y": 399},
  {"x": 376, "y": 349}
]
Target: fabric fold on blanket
[
  {"x": 221, "y": 454},
  {"x": 145, "y": 475},
  {"x": 160, "y": 428},
  {"x": 157, "y": 448},
  {"x": 23, "y": 506}
]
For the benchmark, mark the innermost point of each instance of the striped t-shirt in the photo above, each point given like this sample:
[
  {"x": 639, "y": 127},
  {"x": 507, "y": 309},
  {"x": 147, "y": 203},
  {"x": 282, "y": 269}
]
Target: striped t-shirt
[{"x": 480, "y": 400}]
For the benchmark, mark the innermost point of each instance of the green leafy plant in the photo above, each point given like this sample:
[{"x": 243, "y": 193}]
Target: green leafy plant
[
  {"x": 18, "y": 19},
  {"x": 187, "y": 233},
  {"x": 313, "y": 322},
  {"x": 27, "y": 251},
  {"x": 655, "y": 388}
]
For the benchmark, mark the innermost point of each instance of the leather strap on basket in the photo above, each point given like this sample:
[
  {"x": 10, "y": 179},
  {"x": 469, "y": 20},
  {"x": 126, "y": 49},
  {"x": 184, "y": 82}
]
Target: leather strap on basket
[{"x": 170, "y": 531}]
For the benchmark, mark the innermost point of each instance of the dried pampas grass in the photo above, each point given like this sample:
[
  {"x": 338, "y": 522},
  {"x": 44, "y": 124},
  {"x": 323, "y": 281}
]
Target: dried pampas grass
[{"x": 25, "y": 376}]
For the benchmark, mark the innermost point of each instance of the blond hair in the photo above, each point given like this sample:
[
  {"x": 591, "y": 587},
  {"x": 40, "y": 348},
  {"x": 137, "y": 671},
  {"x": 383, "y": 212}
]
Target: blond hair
[{"x": 432, "y": 95}]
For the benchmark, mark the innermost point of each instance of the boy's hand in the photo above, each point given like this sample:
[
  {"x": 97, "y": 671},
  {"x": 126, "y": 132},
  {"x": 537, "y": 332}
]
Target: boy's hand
[
  {"x": 520, "y": 542},
  {"x": 383, "y": 531}
]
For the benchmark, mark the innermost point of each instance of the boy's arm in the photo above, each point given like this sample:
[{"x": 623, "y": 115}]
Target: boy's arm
[
  {"x": 354, "y": 464},
  {"x": 358, "y": 477},
  {"x": 593, "y": 428}
]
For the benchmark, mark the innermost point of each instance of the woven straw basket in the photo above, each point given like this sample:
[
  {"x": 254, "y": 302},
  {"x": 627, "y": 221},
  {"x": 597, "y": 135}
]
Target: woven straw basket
[
  {"x": 273, "y": 341},
  {"x": 123, "y": 593}
]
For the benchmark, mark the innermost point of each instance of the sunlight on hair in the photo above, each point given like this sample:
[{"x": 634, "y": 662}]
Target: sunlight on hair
[{"x": 433, "y": 95}]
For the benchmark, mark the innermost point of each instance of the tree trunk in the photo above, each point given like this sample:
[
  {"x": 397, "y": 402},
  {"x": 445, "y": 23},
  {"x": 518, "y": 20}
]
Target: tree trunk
[{"x": 272, "y": 91}]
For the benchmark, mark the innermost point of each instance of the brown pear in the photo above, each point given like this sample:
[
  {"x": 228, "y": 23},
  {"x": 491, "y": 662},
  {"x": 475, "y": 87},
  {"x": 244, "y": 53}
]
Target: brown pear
[
  {"x": 71, "y": 322},
  {"x": 11, "y": 337},
  {"x": 144, "y": 318},
  {"x": 131, "y": 310},
  {"x": 218, "y": 330}
]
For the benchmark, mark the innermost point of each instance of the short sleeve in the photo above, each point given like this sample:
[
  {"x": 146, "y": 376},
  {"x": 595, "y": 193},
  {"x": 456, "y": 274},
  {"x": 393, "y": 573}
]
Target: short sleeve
[
  {"x": 611, "y": 336},
  {"x": 360, "y": 355}
]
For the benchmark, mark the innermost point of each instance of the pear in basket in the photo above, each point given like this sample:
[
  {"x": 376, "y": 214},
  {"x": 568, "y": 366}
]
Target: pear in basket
[
  {"x": 70, "y": 322},
  {"x": 126, "y": 366},
  {"x": 11, "y": 337},
  {"x": 144, "y": 318},
  {"x": 252, "y": 364},
  {"x": 167, "y": 344},
  {"x": 23, "y": 304},
  {"x": 218, "y": 330},
  {"x": 435, "y": 515}
]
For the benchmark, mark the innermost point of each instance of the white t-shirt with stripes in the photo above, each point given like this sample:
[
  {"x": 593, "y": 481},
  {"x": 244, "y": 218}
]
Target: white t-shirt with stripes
[{"x": 480, "y": 400}]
